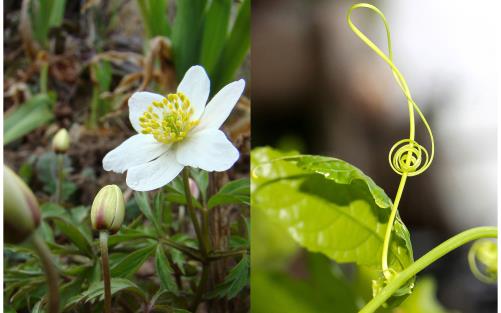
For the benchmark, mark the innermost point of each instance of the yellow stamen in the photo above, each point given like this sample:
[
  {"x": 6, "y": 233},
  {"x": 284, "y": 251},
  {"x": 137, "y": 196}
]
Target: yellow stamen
[{"x": 169, "y": 120}]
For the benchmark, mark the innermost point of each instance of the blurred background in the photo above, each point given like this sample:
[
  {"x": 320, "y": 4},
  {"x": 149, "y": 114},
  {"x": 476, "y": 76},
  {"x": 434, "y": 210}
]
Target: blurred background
[{"x": 318, "y": 89}]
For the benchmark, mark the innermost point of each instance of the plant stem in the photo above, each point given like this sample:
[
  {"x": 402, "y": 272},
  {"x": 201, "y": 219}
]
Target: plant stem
[
  {"x": 50, "y": 271},
  {"x": 191, "y": 210},
  {"x": 44, "y": 77},
  {"x": 201, "y": 287},
  {"x": 217, "y": 255},
  {"x": 187, "y": 250},
  {"x": 423, "y": 262},
  {"x": 60, "y": 177},
  {"x": 103, "y": 242}
]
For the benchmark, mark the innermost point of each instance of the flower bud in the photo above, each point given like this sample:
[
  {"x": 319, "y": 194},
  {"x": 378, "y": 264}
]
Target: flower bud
[
  {"x": 108, "y": 209},
  {"x": 195, "y": 192},
  {"x": 61, "y": 141},
  {"x": 21, "y": 214}
]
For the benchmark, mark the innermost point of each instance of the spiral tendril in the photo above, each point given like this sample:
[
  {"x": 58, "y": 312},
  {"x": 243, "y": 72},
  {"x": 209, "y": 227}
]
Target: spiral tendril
[
  {"x": 407, "y": 157},
  {"x": 483, "y": 260}
]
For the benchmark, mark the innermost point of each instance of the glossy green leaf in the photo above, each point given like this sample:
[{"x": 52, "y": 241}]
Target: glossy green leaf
[
  {"x": 423, "y": 299},
  {"x": 165, "y": 272},
  {"x": 74, "y": 234},
  {"x": 215, "y": 33},
  {"x": 236, "y": 48},
  {"x": 30, "y": 115},
  {"x": 128, "y": 265},
  {"x": 329, "y": 206},
  {"x": 234, "y": 192}
]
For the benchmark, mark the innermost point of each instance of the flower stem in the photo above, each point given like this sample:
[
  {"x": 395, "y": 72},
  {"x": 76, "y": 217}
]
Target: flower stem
[
  {"x": 423, "y": 262},
  {"x": 60, "y": 177},
  {"x": 103, "y": 242},
  {"x": 201, "y": 286},
  {"x": 44, "y": 77},
  {"x": 193, "y": 214},
  {"x": 50, "y": 271}
]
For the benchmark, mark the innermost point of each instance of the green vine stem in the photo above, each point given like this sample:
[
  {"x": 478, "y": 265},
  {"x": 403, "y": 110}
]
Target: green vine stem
[
  {"x": 407, "y": 157},
  {"x": 439, "y": 251},
  {"x": 103, "y": 243},
  {"x": 50, "y": 271}
]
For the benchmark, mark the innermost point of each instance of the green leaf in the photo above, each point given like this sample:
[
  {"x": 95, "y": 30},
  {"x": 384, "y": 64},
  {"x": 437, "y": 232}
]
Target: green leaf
[
  {"x": 235, "y": 49},
  {"x": 74, "y": 234},
  {"x": 57, "y": 13},
  {"x": 130, "y": 264},
  {"x": 180, "y": 198},
  {"x": 154, "y": 14},
  {"x": 96, "y": 291},
  {"x": 51, "y": 209},
  {"x": 237, "y": 279},
  {"x": 30, "y": 115},
  {"x": 234, "y": 192},
  {"x": 126, "y": 234},
  {"x": 187, "y": 34},
  {"x": 215, "y": 33},
  {"x": 329, "y": 206},
  {"x": 46, "y": 166},
  {"x": 164, "y": 271},
  {"x": 323, "y": 288},
  {"x": 423, "y": 299},
  {"x": 144, "y": 205}
]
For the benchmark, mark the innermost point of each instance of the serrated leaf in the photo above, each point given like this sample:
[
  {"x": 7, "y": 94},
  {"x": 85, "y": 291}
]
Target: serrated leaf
[
  {"x": 165, "y": 272},
  {"x": 328, "y": 206},
  {"x": 181, "y": 199},
  {"x": 74, "y": 234},
  {"x": 144, "y": 205},
  {"x": 96, "y": 291},
  {"x": 126, "y": 234},
  {"x": 237, "y": 279},
  {"x": 128, "y": 265},
  {"x": 234, "y": 192}
]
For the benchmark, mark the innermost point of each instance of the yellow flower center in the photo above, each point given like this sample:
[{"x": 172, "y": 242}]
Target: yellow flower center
[{"x": 175, "y": 121}]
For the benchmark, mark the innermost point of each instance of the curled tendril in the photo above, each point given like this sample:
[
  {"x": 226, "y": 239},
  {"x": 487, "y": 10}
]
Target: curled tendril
[
  {"x": 407, "y": 157},
  {"x": 483, "y": 260}
]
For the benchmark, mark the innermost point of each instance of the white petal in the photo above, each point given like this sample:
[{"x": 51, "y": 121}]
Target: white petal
[
  {"x": 138, "y": 104},
  {"x": 136, "y": 150},
  {"x": 196, "y": 86},
  {"x": 154, "y": 174},
  {"x": 219, "y": 108},
  {"x": 209, "y": 150}
]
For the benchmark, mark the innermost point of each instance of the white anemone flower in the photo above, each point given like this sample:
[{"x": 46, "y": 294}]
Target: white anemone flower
[{"x": 176, "y": 131}]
